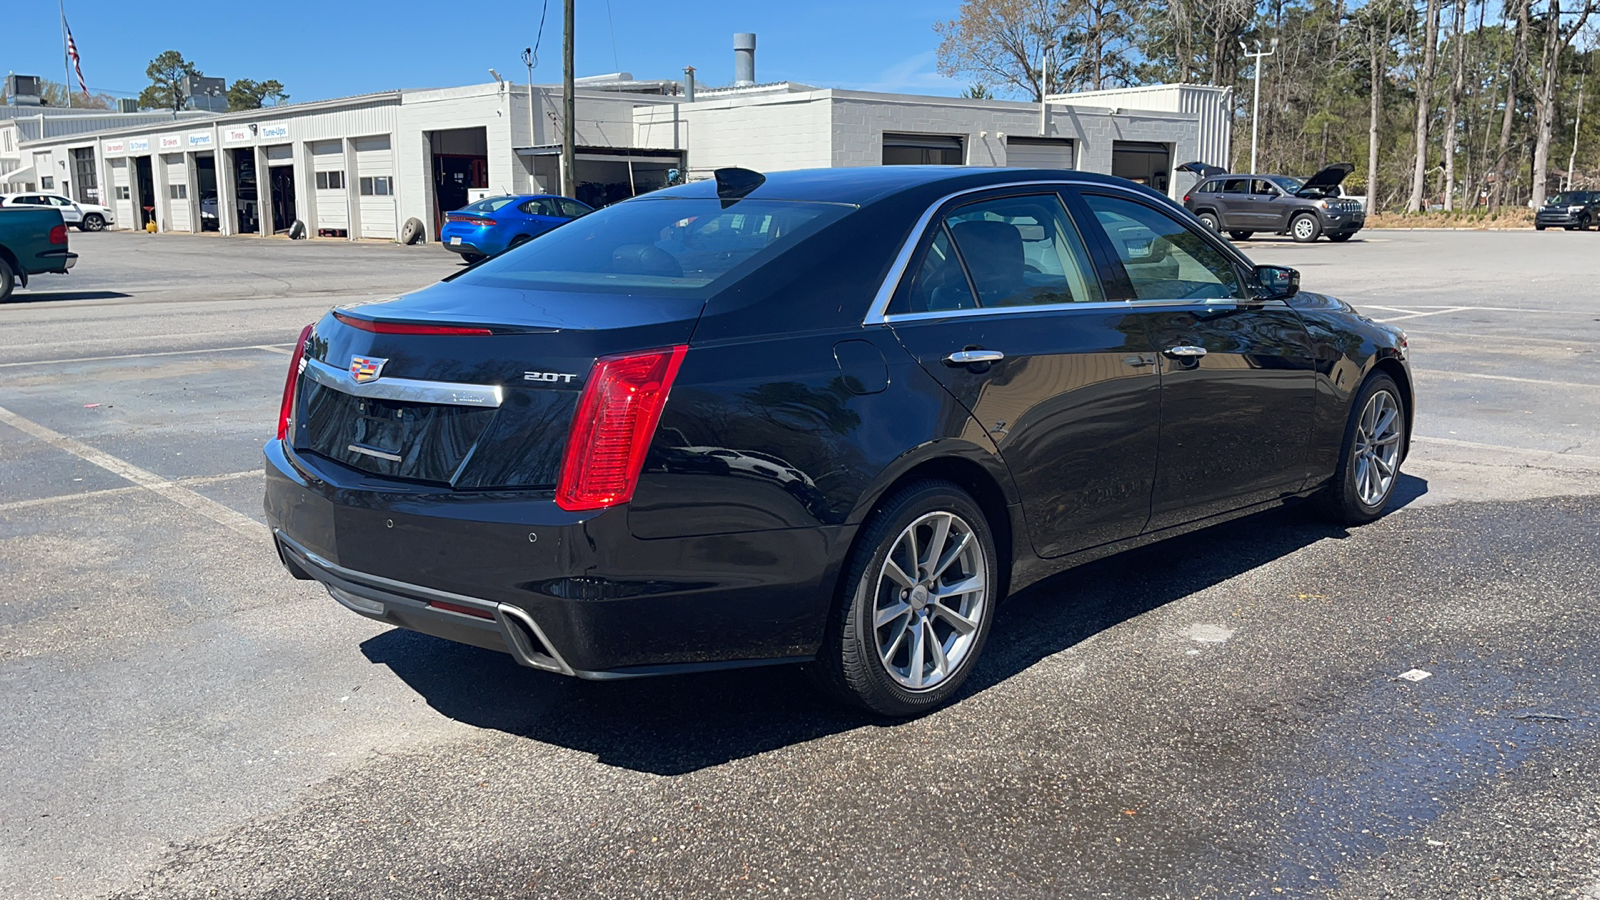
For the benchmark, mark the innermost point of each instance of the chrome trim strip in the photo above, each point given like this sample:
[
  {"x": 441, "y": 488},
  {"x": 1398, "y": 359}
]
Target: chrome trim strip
[
  {"x": 507, "y": 611},
  {"x": 404, "y": 389},
  {"x": 877, "y": 313},
  {"x": 391, "y": 457}
]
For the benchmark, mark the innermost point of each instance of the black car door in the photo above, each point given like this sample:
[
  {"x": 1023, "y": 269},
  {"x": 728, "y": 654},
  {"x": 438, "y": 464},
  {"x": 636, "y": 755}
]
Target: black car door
[
  {"x": 1237, "y": 376},
  {"x": 1002, "y": 304}
]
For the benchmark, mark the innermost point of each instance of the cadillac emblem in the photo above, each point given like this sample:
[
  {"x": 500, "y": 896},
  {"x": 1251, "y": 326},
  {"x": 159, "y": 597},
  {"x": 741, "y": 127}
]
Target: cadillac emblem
[{"x": 366, "y": 368}]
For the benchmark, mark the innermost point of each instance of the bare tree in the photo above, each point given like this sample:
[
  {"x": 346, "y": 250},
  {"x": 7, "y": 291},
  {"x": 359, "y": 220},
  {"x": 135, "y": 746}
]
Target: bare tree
[
  {"x": 1430, "y": 50},
  {"x": 1556, "y": 40},
  {"x": 1458, "y": 46},
  {"x": 1519, "y": 62},
  {"x": 1003, "y": 43}
]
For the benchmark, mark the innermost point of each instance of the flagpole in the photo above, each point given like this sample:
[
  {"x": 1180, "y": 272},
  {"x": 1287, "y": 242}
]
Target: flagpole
[{"x": 66, "y": 59}]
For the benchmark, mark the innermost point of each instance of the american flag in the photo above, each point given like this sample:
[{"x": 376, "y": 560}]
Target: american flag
[{"x": 72, "y": 53}]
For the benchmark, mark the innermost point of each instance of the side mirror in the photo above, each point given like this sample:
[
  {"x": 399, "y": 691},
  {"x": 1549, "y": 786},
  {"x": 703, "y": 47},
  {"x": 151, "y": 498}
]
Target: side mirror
[{"x": 1277, "y": 282}]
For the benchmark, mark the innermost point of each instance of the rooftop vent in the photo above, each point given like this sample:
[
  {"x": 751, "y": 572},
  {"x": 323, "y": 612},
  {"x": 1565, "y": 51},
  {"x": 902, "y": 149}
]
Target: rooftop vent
[{"x": 744, "y": 59}]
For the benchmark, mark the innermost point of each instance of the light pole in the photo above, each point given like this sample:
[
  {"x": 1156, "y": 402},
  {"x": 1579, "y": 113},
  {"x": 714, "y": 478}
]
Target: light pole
[
  {"x": 1255, "y": 111},
  {"x": 528, "y": 59}
]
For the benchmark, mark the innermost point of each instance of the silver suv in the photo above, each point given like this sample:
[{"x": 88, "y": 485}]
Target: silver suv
[{"x": 1305, "y": 210}]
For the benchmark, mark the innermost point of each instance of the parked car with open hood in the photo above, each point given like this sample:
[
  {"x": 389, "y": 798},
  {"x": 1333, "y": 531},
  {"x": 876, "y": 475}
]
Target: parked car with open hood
[
  {"x": 826, "y": 417},
  {"x": 1572, "y": 210},
  {"x": 1242, "y": 205}
]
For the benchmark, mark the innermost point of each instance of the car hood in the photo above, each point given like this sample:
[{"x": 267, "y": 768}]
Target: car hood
[
  {"x": 1329, "y": 176},
  {"x": 1204, "y": 170}
]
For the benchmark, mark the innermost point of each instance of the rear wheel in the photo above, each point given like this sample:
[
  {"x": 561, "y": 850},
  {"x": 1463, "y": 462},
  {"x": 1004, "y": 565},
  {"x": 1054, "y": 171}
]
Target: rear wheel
[
  {"x": 1209, "y": 220},
  {"x": 1305, "y": 228},
  {"x": 917, "y": 602},
  {"x": 518, "y": 241},
  {"x": 473, "y": 257},
  {"x": 8, "y": 280},
  {"x": 1369, "y": 460},
  {"x": 1241, "y": 235}
]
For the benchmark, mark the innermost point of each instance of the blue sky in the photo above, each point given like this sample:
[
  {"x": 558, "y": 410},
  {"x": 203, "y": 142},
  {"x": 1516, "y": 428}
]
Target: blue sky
[{"x": 321, "y": 51}]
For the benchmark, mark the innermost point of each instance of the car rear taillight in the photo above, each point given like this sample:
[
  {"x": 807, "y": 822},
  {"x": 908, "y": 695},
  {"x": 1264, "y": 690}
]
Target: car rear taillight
[
  {"x": 287, "y": 410},
  {"x": 472, "y": 220},
  {"x": 1185, "y": 198},
  {"x": 58, "y": 235},
  {"x": 407, "y": 327},
  {"x": 613, "y": 427}
]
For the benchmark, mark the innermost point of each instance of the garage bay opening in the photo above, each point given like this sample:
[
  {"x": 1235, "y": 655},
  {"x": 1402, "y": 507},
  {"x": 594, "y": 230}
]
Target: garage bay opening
[{"x": 245, "y": 190}]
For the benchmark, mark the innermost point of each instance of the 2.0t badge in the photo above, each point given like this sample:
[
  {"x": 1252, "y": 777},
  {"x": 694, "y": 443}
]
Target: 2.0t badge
[{"x": 366, "y": 368}]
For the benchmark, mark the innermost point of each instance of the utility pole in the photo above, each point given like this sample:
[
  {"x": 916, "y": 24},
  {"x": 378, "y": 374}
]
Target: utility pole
[
  {"x": 1255, "y": 111},
  {"x": 569, "y": 181}
]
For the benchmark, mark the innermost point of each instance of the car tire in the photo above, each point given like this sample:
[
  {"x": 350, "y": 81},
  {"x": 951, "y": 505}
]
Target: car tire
[
  {"x": 8, "y": 280},
  {"x": 1538, "y": 228},
  {"x": 1305, "y": 228},
  {"x": 877, "y": 651},
  {"x": 1210, "y": 221},
  {"x": 1341, "y": 238},
  {"x": 92, "y": 222},
  {"x": 1241, "y": 235},
  {"x": 411, "y": 231},
  {"x": 1374, "y": 446},
  {"x": 518, "y": 241},
  {"x": 471, "y": 258}
]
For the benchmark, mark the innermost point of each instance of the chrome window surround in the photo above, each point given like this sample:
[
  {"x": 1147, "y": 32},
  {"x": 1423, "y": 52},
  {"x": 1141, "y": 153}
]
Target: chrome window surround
[
  {"x": 877, "y": 314},
  {"x": 403, "y": 389}
]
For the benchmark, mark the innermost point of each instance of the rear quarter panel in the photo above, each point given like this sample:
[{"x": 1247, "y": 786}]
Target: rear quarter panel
[{"x": 25, "y": 233}]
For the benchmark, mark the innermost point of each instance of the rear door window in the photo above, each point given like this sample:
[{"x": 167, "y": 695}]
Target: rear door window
[
  {"x": 1164, "y": 258},
  {"x": 1023, "y": 251},
  {"x": 1235, "y": 185}
]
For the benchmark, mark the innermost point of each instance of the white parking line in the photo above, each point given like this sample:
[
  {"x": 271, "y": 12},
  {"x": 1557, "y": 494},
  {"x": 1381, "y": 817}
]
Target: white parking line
[
  {"x": 144, "y": 478},
  {"x": 1446, "y": 373},
  {"x": 193, "y": 481},
  {"x": 79, "y": 359}
]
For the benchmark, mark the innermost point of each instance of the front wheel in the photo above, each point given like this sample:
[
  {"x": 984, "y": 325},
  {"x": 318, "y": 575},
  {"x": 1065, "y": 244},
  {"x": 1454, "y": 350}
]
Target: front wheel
[
  {"x": 1241, "y": 235},
  {"x": 1538, "y": 228},
  {"x": 1305, "y": 229},
  {"x": 1341, "y": 238},
  {"x": 1369, "y": 460},
  {"x": 916, "y": 603},
  {"x": 93, "y": 222}
]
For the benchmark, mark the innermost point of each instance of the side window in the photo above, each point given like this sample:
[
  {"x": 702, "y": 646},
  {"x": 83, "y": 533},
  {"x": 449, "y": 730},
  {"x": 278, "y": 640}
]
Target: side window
[
  {"x": 1023, "y": 251},
  {"x": 572, "y": 209},
  {"x": 1234, "y": 185},
  {"x": 540, "y": 206},
  {"x": 1263, "y": 188},
  {"x": 1164, "y": 258},
  {"x": 940, "y": 284}
]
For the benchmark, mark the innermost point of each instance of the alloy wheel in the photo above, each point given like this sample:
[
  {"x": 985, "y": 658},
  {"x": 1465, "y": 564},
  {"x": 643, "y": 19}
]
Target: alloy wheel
[
  {"x": 1303, "y": 227},
  {"x": 929, "y": 600},
  {"x": 1376, "y": 454}
]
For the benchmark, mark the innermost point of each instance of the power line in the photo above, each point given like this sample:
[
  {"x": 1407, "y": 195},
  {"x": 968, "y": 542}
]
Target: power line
[{"x": 538, "y": 36}]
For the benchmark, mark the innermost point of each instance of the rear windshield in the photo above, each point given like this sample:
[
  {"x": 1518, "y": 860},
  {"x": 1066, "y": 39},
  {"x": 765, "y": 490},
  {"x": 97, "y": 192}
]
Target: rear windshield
[
  {"x": 488, "y": 205},
  {"x": 664, "y": 246}
]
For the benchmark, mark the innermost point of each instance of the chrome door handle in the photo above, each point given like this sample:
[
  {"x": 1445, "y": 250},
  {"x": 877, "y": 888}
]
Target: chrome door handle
[
  {"x": 967, "y": 357},
  {"x": 1188, "y": 350}
]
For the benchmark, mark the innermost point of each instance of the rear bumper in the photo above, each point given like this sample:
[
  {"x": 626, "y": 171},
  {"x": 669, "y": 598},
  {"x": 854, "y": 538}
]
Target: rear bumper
[
  {"x": 565, "y": 592},
  {"x": 57, "y": 260}
]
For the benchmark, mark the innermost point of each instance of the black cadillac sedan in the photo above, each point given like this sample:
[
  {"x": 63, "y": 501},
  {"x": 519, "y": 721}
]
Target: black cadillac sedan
[{"x": 825, "y": 417}]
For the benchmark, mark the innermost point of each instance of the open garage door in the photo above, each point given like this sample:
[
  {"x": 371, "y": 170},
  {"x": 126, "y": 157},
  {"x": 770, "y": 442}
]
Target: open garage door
[
  {"x": 1142, "y": 162},
  {"x": 122, "y": 194},
  {"x": 177, "y": 172},
  {"x": 332, "y": 200},
  {"x": 375, "y": 168}
]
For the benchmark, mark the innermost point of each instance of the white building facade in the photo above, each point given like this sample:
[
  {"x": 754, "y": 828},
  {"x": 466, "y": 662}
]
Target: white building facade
[{"x": 366, "y": 167}]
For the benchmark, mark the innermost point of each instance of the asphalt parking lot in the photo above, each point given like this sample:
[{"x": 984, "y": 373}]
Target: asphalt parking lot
[{"x": 1215, "y": 716}]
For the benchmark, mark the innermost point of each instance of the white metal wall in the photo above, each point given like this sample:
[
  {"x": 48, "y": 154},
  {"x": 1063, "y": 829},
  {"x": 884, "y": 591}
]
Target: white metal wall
[
  {"x": 332, "y": 202},
  {"x": 375, "y": 158},
  {"x": 177, "y": 207},
  {"x": 124, "y": 207}
]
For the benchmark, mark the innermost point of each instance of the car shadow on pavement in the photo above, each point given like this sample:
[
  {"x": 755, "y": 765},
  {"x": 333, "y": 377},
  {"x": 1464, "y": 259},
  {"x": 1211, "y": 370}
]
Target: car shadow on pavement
[
  {"x": 676, "y": 725},
  {"x": 27, "y": 296}
]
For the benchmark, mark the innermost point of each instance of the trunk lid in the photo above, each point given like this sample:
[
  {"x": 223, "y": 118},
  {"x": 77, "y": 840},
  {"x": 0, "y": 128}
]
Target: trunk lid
[{"x": 486, "y": 407}]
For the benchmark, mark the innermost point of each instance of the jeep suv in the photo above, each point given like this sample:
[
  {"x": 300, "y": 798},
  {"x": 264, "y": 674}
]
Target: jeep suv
[
  {"x": 1572, "y": 210},
  {"x": 1305, "y": 210}
]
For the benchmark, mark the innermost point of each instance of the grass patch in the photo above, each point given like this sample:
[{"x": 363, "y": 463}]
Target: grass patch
[{"x": 1508, "y": 217}]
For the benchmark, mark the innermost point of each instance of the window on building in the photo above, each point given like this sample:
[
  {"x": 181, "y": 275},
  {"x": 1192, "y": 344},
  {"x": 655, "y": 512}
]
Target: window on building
[
  {"x": 332, "y": 181},
  {"x": 377, "y": 186},
  {"x": 178, "y": 191},
  {"x": 123, "y": 193},
  {"x": 47, "y": 182},
  {"x": 922, "y": 150}
]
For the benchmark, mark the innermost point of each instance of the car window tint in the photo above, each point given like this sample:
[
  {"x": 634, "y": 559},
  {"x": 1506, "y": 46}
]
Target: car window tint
[
  {"x": 940, "y": 283},
  {"x": 492, "y": 204},
  {"x": 1262, "y": 186},
  {"x": 572, "y": 208},
  {"x": 541, "y": 206},
  {"x": 1164, "y": 258},
  {"x": 1023, "y": 251},
  {"x": 670, "y": 246},
  {"x": 1234, "y": 185}
]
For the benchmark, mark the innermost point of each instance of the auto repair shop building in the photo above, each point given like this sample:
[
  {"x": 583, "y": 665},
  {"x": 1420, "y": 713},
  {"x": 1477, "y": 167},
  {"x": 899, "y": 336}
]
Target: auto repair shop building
[{"x": 364, "y": 166}]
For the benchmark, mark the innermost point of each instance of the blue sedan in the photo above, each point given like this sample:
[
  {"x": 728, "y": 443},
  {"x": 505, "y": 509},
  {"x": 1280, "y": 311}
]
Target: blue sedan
[{"x": 497, "y": 224}]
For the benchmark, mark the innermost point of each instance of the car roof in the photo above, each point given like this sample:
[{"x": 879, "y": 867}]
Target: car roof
[{"x": 863, "y": 184}]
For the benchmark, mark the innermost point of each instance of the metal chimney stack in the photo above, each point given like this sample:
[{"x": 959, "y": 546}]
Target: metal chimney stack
[{"x": 744, "y": 59}]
